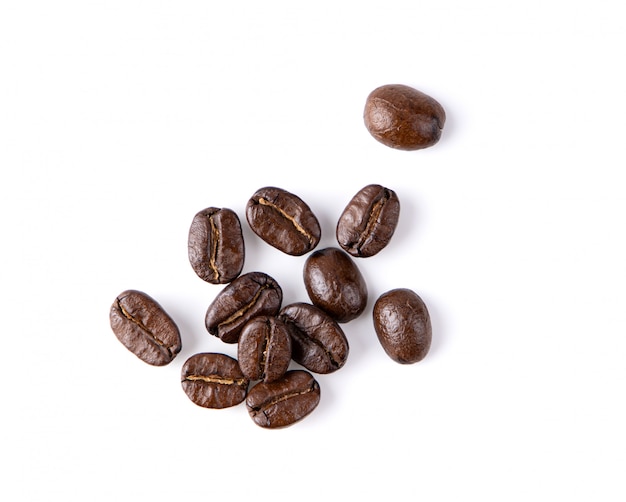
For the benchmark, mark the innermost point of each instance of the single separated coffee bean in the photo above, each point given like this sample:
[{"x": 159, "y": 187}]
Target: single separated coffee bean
[
  {"x": 402, "y": 324},
  {"x": 144, "y": 328},
  {"x": 214, "y": 380},
  {"x": 215, "y": 247},
  {"x": 368, "y": 221},
  {"x": 318, "y": 342},
  {"x": 264, "y": 350},
  {"x": 248, "y": 296},
  {"x": 335, "y": 284},
  {"x": 284, "y": 401},
  {"x": 403, "y": 118},
  {"x": 283, "y": 220}
]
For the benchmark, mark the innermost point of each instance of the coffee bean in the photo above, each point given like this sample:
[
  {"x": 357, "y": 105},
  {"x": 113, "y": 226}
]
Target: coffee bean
[
  {"x": 248, "y": 296},
  {"x": 215, "y": 247},
  {"x": 144, "y": 328},
  {"x": 264, "y": 350},
  {"x": 368, "y": 221},
  {"x": 335, "y": 284},
  {"x": 318, "y": 342},
  {"x": 214, "y": 380},
  {"x": 283, "y": 220},
  {"x": 404, "y": 118},
  {"x": 285, "y": 401},
  {"x": 402, "y": 324}
]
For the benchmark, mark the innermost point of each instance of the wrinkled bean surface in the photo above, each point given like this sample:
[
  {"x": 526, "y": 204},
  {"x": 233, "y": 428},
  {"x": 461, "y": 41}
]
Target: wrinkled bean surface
[
  {"x": 215, "y": 246},
  {"x": 264, "y": 349},
  {"x": 248, "y": 296},
  {"x": 213, "y": 380},
  {"x": 403, "y": 118},
  {"x": 285, "y": 401},
  {"x": 369, "y": 221},
  {"x": 335, "y": 284},
  {"x": 403, "y": 326},
  {"x": 283, "y": 220},
  {"x": 144, "y": 328},
  {"x": 318, "y": 342}
]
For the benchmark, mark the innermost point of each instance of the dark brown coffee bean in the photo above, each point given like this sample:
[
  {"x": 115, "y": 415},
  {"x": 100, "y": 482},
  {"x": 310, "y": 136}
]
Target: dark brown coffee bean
[
  {"x": 283, "y": 220},
  {"x": 368, "y": 221},
  {"x": 144, "y": 328},
  {"x": 285, "y": 401},
  {"x": 216, "y": 248},
  {"x": 318, "y": 342},
  {"x": 248, "y": 296},
  {"x": 402, "y": 324},
  {"x": 404, "y": 118},
  {"x": 214, "y": 380},
  {"x": 335, "y": 284},
  {"x": 264, "y": 350}
]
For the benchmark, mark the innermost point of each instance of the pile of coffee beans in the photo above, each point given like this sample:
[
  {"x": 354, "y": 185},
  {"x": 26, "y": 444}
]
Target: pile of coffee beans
[{"x": 249, "y": 310}]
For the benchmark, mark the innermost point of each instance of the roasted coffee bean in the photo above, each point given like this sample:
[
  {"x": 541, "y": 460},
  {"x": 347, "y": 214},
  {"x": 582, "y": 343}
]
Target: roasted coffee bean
[
  {"x": 285, "y": 401},
  {"x": 404, "y": 118},
  {"x": 144, "y": 328},
  {"x": 402, "y": 324},
  {"x": 335, "y": 284},
  {"x": 216, "y": 248},
  {"x": 264, "y": 350},
  {"x": 248, "y": 296},
  {"x": 318, "y": 342},
  {"x": 368, "y": 221},
  {"x": 214, "y": 380},
  {"x": 283, "y": 220}
]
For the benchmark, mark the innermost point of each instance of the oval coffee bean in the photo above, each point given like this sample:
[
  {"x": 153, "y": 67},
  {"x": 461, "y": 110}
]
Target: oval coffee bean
[
  {"x": 144, "y": 328},
  {"x": 213, "y": 380},
  {"x": 264, "y": 350},
  {"x": 402, "y": 324},
  {"x": 318, "y": 342},
  {"x": 368, "y": 221},
  {"x": 215, "y": 247},
  {"x": 285, "y": 401},
  {"x": 283, "y": 220},
  {"x": 404, "y": 118},
  {"x": 248, "y": 296},
  {"x": 335, "y": 284}
]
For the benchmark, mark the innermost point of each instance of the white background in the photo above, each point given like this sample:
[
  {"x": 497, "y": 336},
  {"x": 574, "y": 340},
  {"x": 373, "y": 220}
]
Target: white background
[{"x": 119, "y": 120}]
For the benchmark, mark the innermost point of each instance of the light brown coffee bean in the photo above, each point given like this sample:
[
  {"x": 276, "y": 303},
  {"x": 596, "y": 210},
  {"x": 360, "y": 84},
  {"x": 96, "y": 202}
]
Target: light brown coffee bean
[{"x": 403, "y": 118}]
